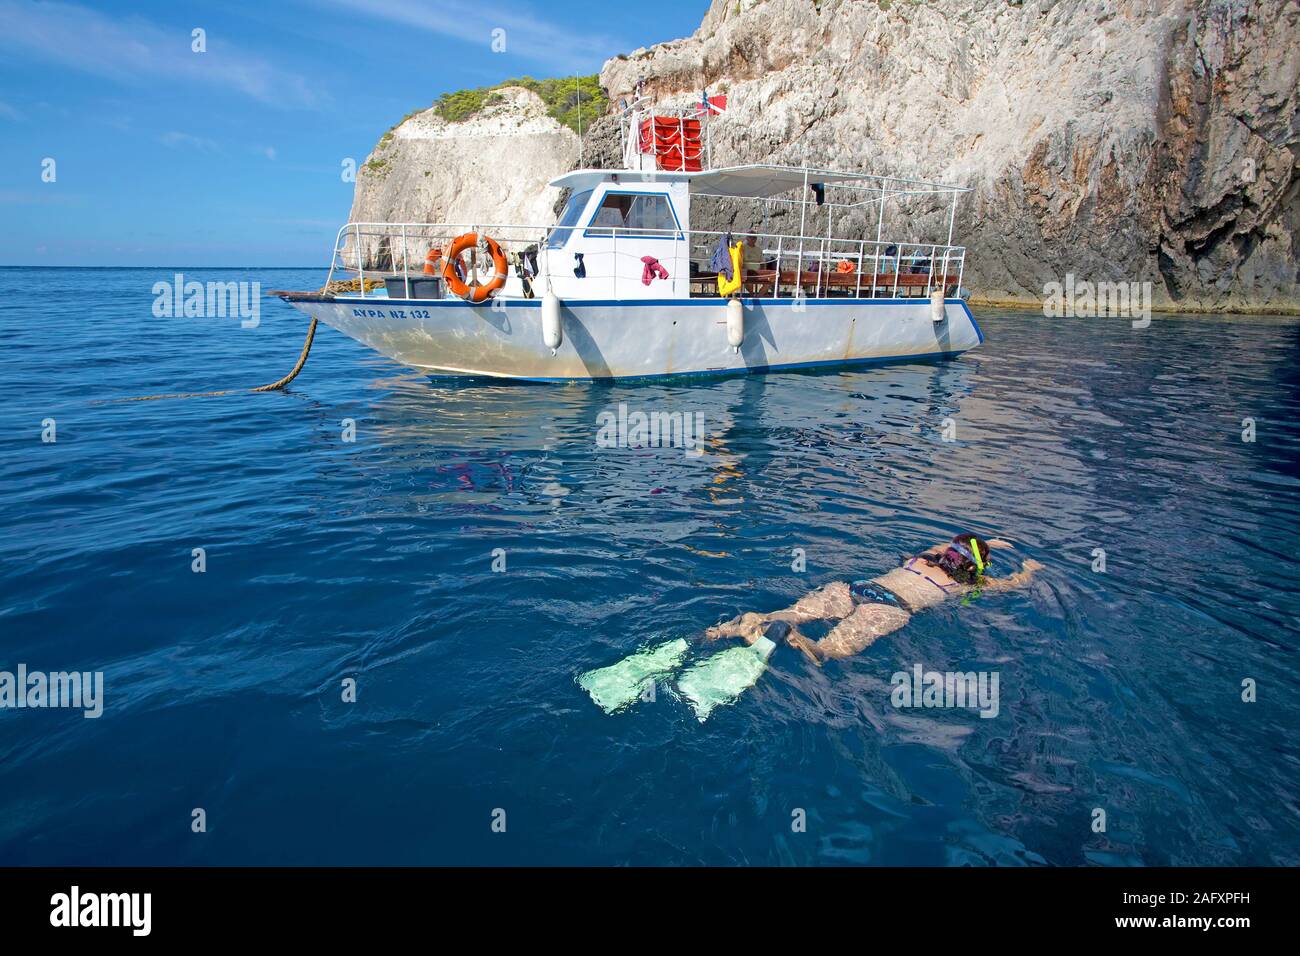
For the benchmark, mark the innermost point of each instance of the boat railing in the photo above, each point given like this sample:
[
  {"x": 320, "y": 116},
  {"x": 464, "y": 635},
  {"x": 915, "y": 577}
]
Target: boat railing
[
  {"x": 393, "y": 248},
  {"x": 779, "y": 264}
]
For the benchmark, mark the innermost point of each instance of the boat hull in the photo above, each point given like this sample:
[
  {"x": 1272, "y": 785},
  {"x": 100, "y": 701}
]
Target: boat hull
[{"x": 604, "y": 339}]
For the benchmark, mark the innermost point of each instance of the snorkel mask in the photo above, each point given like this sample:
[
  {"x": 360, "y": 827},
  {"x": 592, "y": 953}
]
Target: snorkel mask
[
  {"x": 970, "y": 550},
  {"x": 962, "y": 560}
]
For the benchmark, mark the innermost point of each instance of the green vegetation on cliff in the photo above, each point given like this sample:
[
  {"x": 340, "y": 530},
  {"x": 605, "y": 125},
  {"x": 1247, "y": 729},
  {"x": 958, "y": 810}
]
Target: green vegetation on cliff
[
  {"x": 565, "y": 98},
  {"x": 463, "y": 104}
]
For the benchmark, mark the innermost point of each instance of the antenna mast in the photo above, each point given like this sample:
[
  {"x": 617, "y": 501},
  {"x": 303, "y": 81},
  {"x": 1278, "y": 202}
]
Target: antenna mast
[{"x": 578, "y": 86}]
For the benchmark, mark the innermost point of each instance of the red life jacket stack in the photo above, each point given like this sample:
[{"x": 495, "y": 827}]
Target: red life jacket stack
[{"x": 674, "y": 141}]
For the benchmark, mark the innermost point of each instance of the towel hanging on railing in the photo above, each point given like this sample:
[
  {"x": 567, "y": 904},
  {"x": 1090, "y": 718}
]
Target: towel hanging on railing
[
  {"x": 652, "y": 270},
  {"x": 721, "y": 261},
  {"x": 529, "y": 259}
]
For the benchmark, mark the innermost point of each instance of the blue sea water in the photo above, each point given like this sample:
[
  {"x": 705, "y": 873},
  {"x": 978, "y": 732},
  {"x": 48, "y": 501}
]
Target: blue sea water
[{"x": 373, "y": 560}]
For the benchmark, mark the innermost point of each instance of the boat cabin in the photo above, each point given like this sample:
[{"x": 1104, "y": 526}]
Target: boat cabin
[{"x": 615, "y": 226}]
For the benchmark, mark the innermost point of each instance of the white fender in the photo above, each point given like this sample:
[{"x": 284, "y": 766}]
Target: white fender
[
  {"x": 552, "y": 332},
  {"x": 735, "y": 323},
  {"x": 937, "y": 313}
]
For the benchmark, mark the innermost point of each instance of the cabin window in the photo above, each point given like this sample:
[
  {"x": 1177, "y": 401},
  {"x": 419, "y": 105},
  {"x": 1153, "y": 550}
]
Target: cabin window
[
  {"x": 648, "y": 215},
  {"x": 568, "y": 219}
]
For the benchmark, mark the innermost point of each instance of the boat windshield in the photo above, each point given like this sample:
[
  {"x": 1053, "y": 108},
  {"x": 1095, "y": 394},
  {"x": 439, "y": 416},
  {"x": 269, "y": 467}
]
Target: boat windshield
[{"x": 568, "y": 219}]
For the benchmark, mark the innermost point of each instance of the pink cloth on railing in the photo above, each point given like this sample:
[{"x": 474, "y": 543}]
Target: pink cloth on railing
[{"x": 653, "y": 270}]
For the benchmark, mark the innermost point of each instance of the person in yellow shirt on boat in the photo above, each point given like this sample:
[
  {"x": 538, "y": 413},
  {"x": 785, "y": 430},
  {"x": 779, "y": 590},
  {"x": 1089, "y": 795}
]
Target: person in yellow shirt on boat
[{"x": 865, "y": 611}]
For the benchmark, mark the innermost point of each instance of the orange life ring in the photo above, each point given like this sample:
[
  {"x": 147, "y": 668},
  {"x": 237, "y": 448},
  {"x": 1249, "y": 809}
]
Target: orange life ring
[
  {"x": 479, "y": 292},
  {"x": 844, "y": 266},
  {"x": 431, "y": 262}
]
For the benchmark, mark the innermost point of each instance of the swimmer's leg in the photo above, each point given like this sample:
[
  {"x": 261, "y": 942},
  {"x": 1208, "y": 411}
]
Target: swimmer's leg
[
  {"x": 748, "y": 625},
  {"x": 854, "y": 634},
  {"x": 832, "y": 602}
]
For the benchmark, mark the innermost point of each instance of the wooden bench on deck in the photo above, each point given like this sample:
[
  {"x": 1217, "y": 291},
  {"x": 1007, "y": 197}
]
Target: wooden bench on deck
[{"x": 760, "y": 282}]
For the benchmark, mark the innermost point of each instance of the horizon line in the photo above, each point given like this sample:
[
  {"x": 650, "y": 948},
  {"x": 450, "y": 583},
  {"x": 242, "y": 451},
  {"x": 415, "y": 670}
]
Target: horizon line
[{"x": 191, "y": 266}]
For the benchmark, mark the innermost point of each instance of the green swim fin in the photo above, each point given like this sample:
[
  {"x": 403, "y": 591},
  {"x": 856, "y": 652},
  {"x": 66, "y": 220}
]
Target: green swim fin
[
  {"x": 723, "y": 677},
  {"x": 620, "y": 684}
]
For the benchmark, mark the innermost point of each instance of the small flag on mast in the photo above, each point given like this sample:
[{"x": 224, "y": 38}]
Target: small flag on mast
[{"x": 710, "y": 104}]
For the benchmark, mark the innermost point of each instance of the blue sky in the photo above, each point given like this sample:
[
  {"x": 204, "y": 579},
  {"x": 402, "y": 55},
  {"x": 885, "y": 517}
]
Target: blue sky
[{"x": 165, "y": 156}]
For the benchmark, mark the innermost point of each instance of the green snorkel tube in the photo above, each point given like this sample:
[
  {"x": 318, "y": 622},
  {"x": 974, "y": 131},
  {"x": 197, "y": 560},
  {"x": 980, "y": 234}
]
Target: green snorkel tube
[{"x": 979, "y": 572}]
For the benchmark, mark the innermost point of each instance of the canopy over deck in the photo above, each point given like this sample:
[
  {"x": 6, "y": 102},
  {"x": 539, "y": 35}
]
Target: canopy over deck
[
  {"x": 587, "y": 178},
  {"x": 761, "y": 181}
]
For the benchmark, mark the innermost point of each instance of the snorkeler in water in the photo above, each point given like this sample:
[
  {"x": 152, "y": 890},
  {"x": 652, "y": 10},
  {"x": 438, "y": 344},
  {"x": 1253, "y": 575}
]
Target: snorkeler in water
[
  {"x": 864, "y": 611},
  {"x": 868, "y": 610}
]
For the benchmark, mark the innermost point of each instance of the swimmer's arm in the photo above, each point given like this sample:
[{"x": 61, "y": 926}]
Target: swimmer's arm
[{"x": 1011, "y": 582}]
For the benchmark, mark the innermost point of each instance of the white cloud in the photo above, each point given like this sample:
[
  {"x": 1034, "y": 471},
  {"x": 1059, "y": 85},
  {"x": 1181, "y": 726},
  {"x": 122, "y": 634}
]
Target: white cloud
[
  {"x": 527, "y": 35},
  {"x": 174, "y": 139},
  {"x": 135, "y": 50},
  {"x": 8, "y": 112},
  {"x": 268, "y": 152}
]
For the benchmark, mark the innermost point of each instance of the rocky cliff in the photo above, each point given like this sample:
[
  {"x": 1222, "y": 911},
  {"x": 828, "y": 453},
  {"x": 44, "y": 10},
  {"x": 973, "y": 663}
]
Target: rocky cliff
[
  {"x": 493, "y": 167},
  {"x": 1138, "y": 140}
]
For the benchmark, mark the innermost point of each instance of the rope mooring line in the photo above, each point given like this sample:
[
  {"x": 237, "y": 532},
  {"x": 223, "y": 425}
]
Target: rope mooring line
[{"x": 274, "y": 386}]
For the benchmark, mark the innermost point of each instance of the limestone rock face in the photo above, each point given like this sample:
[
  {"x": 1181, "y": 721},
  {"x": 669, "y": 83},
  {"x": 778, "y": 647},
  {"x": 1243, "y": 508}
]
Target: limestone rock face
[
  {"x": 492, "y": 168},
  {"x": 1138, "y": 140}
]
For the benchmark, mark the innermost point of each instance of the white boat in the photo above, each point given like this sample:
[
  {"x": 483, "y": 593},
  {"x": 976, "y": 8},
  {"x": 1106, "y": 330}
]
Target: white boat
[{"x": 621, "y": 285}]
